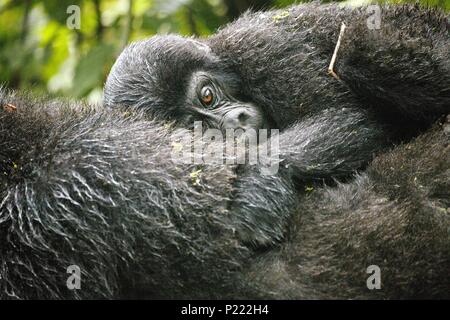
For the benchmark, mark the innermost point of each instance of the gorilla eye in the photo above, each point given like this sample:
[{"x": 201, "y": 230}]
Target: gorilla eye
[{"x": 207, "y": 96}]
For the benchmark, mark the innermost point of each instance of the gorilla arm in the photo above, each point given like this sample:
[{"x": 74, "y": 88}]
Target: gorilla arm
[{"x": 332, "y": 144}]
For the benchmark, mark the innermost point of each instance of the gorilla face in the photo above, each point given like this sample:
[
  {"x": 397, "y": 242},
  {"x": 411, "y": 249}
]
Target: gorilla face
[
  {"x": 215, "y": 100},
  {"x": 178, "y": 79}
]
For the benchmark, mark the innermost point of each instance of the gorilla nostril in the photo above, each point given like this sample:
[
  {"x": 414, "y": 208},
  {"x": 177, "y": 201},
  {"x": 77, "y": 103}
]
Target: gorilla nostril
[{"x": 243, "y": 117}]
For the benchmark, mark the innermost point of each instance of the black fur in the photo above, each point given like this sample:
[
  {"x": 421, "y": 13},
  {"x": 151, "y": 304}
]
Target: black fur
[{"x": 95, "y": 187}]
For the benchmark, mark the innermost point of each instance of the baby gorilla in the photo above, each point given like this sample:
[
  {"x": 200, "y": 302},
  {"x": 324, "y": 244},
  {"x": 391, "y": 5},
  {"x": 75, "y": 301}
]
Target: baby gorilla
[
  {"x": 269, "y": 70},
  {"x": 179, "y": 79}
]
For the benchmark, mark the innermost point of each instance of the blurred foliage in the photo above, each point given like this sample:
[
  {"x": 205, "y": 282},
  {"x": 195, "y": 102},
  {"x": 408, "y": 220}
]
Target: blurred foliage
[{"x": 39, "y": 52}]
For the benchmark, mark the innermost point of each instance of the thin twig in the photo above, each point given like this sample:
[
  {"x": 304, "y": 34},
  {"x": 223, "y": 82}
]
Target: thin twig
[{"x": 336, "y": 49}]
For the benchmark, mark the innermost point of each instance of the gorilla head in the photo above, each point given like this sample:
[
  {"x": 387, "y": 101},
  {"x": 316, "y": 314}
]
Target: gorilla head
[{"x": 179, "y": 79}]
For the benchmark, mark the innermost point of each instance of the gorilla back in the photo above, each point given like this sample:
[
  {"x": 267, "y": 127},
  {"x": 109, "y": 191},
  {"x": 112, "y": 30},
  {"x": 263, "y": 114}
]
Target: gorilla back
[{"x": 75, "y": 191}]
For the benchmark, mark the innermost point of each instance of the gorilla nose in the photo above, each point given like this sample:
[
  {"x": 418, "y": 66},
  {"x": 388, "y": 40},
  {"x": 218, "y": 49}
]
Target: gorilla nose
[
  {"x": 237, "y": 119},
  {"x": 243, "y": 116}
]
